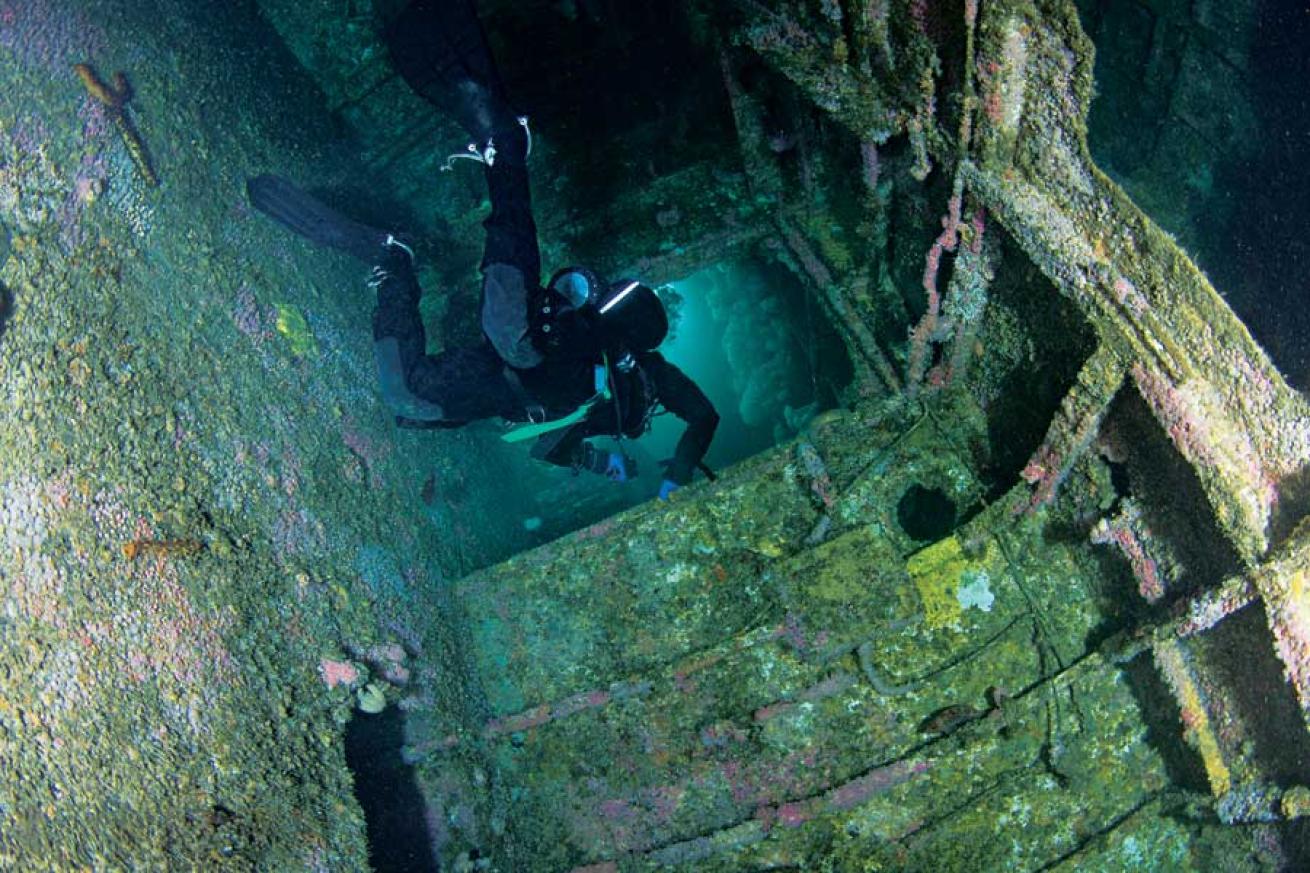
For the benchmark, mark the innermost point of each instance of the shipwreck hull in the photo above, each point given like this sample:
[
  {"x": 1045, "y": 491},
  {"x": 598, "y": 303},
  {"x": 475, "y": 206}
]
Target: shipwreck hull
[{"x": 1032, "y": 597}]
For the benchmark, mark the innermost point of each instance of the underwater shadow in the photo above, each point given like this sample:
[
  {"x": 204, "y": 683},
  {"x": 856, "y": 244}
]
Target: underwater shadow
[
  {"x": 1160, "y": 712},
  {"x": 1239, "y": 657},
  {"x": 6, "y": 309},
  {"x": 399, "y": 840},
  {"x": 1293, "y": 504}
]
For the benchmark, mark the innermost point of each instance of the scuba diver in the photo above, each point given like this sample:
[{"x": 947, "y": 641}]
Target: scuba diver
[{"x": 572, "y": 360}]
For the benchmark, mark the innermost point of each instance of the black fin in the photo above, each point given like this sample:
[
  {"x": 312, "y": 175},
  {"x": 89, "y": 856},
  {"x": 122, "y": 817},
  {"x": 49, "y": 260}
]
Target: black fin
[
  {"x": 440, "y": 49},
  {"x": 291, "y": 207}
]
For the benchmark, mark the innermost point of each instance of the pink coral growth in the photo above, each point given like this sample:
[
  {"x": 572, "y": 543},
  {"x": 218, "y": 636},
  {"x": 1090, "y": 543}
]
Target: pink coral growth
[
  {"x": 176, "y": 638},
  {"x": 979, "y": 224},
  {"x": 843, "y": 797},
  {"x": 993, "y": 95},
  {"x": 792, "y": 631},
  {"x": 546, "y": 713},
  {"x": 96, "y": 125},
  {"x": 1071, "y": 433},
  {"x": 1046, "y": 472},
  {"x": 870, "y": 165},
  {"x": 290, "y": 471},
  {"x": 835, "y": 684},
  {"x": 1209, "y": 609},
  {"x": 372, "y": 452},
  {"x": 336, "y": 673},
  {"x": 919, "y": 15},
  {"x": 1127, "y": 295},
  {"x": 297, "y": 532},
  {"x": 387, "y": 652},
  {"x": 168, "y": 635},
  {"x": 925, "y": 332},
  {"x": 89, "y": 181},
  {"x": 389, "y": 660},
  {"x": 635, "y": 820},
  {"x": 249, "y": 318},
  {"x": 1130, "y": 535},
  {"x": 405, "y": 632},
  {"x": 48, "y": 34},
  {"x": 596, "y": 531},
  {"x": 1185, "y": 424},
  {"x": 817, "y": 473},
  {"x": 862, "y": 788}
]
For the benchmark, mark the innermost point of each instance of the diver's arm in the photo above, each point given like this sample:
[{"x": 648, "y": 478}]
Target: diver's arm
[
  {"x": 562, "y": 448},
  {"x": 683, "y": 397},
  {"x": 574, "y": 335},
  {"x": 569, "y": 448}
]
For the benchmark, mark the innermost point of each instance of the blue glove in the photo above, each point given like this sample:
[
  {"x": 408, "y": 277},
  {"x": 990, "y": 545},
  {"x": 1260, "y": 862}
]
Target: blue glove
[
  {"x": 667, "y": 487},
  {"x": 618, "y": 468}
]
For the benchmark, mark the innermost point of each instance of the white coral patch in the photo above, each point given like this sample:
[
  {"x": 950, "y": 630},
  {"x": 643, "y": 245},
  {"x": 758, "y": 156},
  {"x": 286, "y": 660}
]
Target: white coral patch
[{"x": 974, "y": 591}]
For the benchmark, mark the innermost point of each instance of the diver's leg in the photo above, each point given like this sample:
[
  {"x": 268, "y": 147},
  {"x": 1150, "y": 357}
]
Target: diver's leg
[
  {"x": 441, "y": 50},
  {"x": 459, "y": 385},
  {"x": 398, "y": 337},
  {"x": 511, "y": 262},
  {"x": 471, "y": 383}
]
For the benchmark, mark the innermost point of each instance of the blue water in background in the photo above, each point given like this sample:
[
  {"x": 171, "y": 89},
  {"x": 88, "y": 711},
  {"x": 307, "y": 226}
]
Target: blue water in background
[{"x": 1261, "y": 261}]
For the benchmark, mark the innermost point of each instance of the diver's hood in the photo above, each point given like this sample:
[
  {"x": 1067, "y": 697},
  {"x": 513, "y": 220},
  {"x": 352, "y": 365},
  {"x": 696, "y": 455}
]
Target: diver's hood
[
  {"x": 629, "y": 312},
  {"x": 634, "y": 313}
]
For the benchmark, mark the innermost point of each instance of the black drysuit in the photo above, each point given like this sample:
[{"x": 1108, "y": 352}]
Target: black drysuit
[{"x": 512, "y": 374}]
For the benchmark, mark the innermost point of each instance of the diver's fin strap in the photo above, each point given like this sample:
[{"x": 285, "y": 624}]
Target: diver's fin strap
[
  {"x": 487, "y": 153},
  {"x": 392, "y": 242}
]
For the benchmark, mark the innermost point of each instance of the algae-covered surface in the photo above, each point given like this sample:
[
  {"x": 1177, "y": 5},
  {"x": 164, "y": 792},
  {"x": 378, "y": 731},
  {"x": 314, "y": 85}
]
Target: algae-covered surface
[
  {"x": 1031, "y": 597},
  {"x": 198, "y": 486}
]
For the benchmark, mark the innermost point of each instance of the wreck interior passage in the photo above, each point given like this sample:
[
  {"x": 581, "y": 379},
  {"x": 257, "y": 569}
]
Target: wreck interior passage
[
  {"x": 763, "y": 351},
  {"x": 1006, "y": 559}
]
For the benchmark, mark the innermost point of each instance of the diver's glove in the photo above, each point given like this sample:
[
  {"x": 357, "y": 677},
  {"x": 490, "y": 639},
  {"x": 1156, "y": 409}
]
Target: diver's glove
[{"x": 669, "y": 485}]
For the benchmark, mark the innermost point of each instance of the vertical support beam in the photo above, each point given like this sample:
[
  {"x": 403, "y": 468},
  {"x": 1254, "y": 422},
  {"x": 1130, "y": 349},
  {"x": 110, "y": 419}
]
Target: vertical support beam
[
  {"x": 761, "y": 170},
  {"x": 864, "y": 348},
  {"x": 1284, "y": 584}
]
